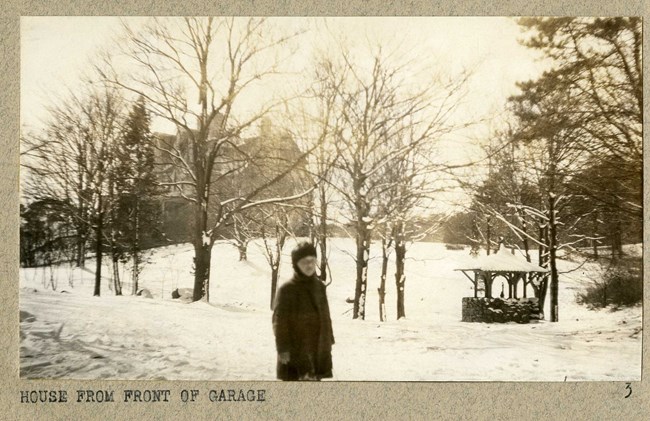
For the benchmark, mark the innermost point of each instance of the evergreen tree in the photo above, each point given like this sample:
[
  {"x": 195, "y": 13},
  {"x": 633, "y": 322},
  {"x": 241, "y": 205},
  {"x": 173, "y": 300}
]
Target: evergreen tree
[
  {"x": 136, "y": 211},
  {"x": 585, "y": 112}
]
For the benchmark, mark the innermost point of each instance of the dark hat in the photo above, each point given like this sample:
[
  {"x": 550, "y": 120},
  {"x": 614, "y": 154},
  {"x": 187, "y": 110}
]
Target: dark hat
[{"x": 303, "y": 249}]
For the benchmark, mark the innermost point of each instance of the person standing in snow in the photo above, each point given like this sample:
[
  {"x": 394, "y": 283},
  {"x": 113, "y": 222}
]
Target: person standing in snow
[{"x": 302, "y": 323}]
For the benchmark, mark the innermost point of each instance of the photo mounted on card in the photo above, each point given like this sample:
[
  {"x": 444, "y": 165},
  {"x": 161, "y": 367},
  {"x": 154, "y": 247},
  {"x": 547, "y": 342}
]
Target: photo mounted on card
[{"x": 335, "y": 199}]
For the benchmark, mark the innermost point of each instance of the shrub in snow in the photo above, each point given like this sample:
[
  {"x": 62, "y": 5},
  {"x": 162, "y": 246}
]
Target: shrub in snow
[
  {"x": 619, "y": 284},
  {"x": 185, "y": 294}
]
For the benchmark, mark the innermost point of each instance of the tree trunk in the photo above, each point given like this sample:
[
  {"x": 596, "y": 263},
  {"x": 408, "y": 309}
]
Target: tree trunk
[
  {"x": 116, "y": 276},
  {"x": 322, "y": 245},
  {"x": 202, "y": 169},
  {"x": 240, "y": 241},
  {"x": 400, "y": 276},
  {"x": 594, "y": 242},
  {"x": 542, "y": 289},
  {"x": 242, "y": 247},
  {"x": 48, "y": 263},
  {"x": 488, "y": 235},
  {"x": 52, "y": 280},
  {"x": 202, "y": 257},
  {"x": 619, "y": 239},
  {"x": 541, "y": 260},
  {"x": 81, "y": 249},
  {"x": 382, "y": 284},
  {"x": 322, "y": 235},
  {"x": 275, "y": 270},
  {"x": 202, "y": 240},
  {"x": 98, "y": 251},
  {"x": 363, "y": 251},
  {"x": 524, "y": 228},
  {"x": 280, "y": 239},
  {"x": 114, "y": 238},
  {"x": 135, "y": 252},
  {"x": 313, "y": 232},
  {"x": 82, "y": 229},
  {"x": 552, "y": 228}
]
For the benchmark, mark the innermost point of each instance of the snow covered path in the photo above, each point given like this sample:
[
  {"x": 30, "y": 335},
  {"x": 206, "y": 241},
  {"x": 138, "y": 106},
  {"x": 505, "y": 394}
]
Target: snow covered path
[
  {"x": 138, "y": 338},
  {"x": 76, "y": 335}
]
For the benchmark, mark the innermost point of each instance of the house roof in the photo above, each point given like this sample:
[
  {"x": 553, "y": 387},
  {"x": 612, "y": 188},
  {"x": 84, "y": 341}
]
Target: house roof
[{"x": 501, "y": 261}]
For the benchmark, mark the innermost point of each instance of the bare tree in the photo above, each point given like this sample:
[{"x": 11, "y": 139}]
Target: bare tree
[
  {"x": 244, "y": 229},
  {"x": 60, "y": 155},
  {"x": 274, "y": 230},
  {"x": 317, "y": 122},
  {"x": 74, "y": 163},
  {"x": 210, "y": 61},
  {"x": 376, "y": 106}
]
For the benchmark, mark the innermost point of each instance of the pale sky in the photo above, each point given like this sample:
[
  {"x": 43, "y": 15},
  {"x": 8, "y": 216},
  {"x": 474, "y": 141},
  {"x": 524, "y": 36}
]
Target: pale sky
[{"x": 56, "y": 51}]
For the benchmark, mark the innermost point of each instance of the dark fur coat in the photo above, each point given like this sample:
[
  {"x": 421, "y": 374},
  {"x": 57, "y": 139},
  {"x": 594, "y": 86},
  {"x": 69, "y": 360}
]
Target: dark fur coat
[{"x": 303, "y": 328}]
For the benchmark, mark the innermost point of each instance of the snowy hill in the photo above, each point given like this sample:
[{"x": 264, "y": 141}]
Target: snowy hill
[{"x": 72, "y": 334}]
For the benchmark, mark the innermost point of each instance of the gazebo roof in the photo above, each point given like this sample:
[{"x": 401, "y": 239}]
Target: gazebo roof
[{"x": 501, "y": 261}]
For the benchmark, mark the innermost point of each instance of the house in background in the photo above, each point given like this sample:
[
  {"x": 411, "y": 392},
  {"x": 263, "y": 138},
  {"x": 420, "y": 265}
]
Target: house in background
[{"x": 242, "y": 165}]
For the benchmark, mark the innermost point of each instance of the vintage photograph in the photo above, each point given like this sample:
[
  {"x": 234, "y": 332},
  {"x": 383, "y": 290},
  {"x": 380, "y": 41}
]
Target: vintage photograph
[{"x": 335, "y": 199}]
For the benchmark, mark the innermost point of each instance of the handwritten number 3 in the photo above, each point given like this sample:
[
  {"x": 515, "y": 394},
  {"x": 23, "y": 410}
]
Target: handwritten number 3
[{"x": 628, "y": 387}]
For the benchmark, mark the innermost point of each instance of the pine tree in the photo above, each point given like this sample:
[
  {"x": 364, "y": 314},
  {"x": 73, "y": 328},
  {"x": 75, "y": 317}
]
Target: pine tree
[
  {"x": 585, "y": 110},
  {"x": 136, "y": 186}
]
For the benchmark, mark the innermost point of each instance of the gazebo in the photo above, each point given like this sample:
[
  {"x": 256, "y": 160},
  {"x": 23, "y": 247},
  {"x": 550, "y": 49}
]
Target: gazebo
[{"x": 484, "y": 270}]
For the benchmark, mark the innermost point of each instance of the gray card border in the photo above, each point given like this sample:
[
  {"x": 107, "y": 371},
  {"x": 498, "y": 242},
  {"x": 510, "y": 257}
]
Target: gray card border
[{"x": 327, "y": 400}]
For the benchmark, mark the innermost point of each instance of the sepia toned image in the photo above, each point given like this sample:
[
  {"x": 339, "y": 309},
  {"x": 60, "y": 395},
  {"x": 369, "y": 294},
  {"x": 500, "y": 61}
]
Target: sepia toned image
[{"x": 336, "y": 199}]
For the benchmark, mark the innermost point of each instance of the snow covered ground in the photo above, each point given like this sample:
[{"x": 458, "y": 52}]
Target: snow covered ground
[{"x": 74, "y": 335}]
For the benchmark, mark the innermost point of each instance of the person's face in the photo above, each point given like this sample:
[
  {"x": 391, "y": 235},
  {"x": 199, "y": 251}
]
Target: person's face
[{"x": 307, "y": 265}]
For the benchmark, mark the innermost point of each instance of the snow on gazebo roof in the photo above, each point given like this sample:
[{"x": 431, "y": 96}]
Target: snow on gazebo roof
[{"x": 501, "y": 261}]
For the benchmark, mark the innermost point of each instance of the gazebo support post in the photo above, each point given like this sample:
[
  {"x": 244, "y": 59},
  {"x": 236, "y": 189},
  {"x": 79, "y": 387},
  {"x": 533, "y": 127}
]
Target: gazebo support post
[{"x": 509, "y": 285}]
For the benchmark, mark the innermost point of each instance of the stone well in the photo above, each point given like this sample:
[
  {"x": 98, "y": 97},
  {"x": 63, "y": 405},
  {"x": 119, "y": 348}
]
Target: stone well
[{"x": 499, "y": 310}]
